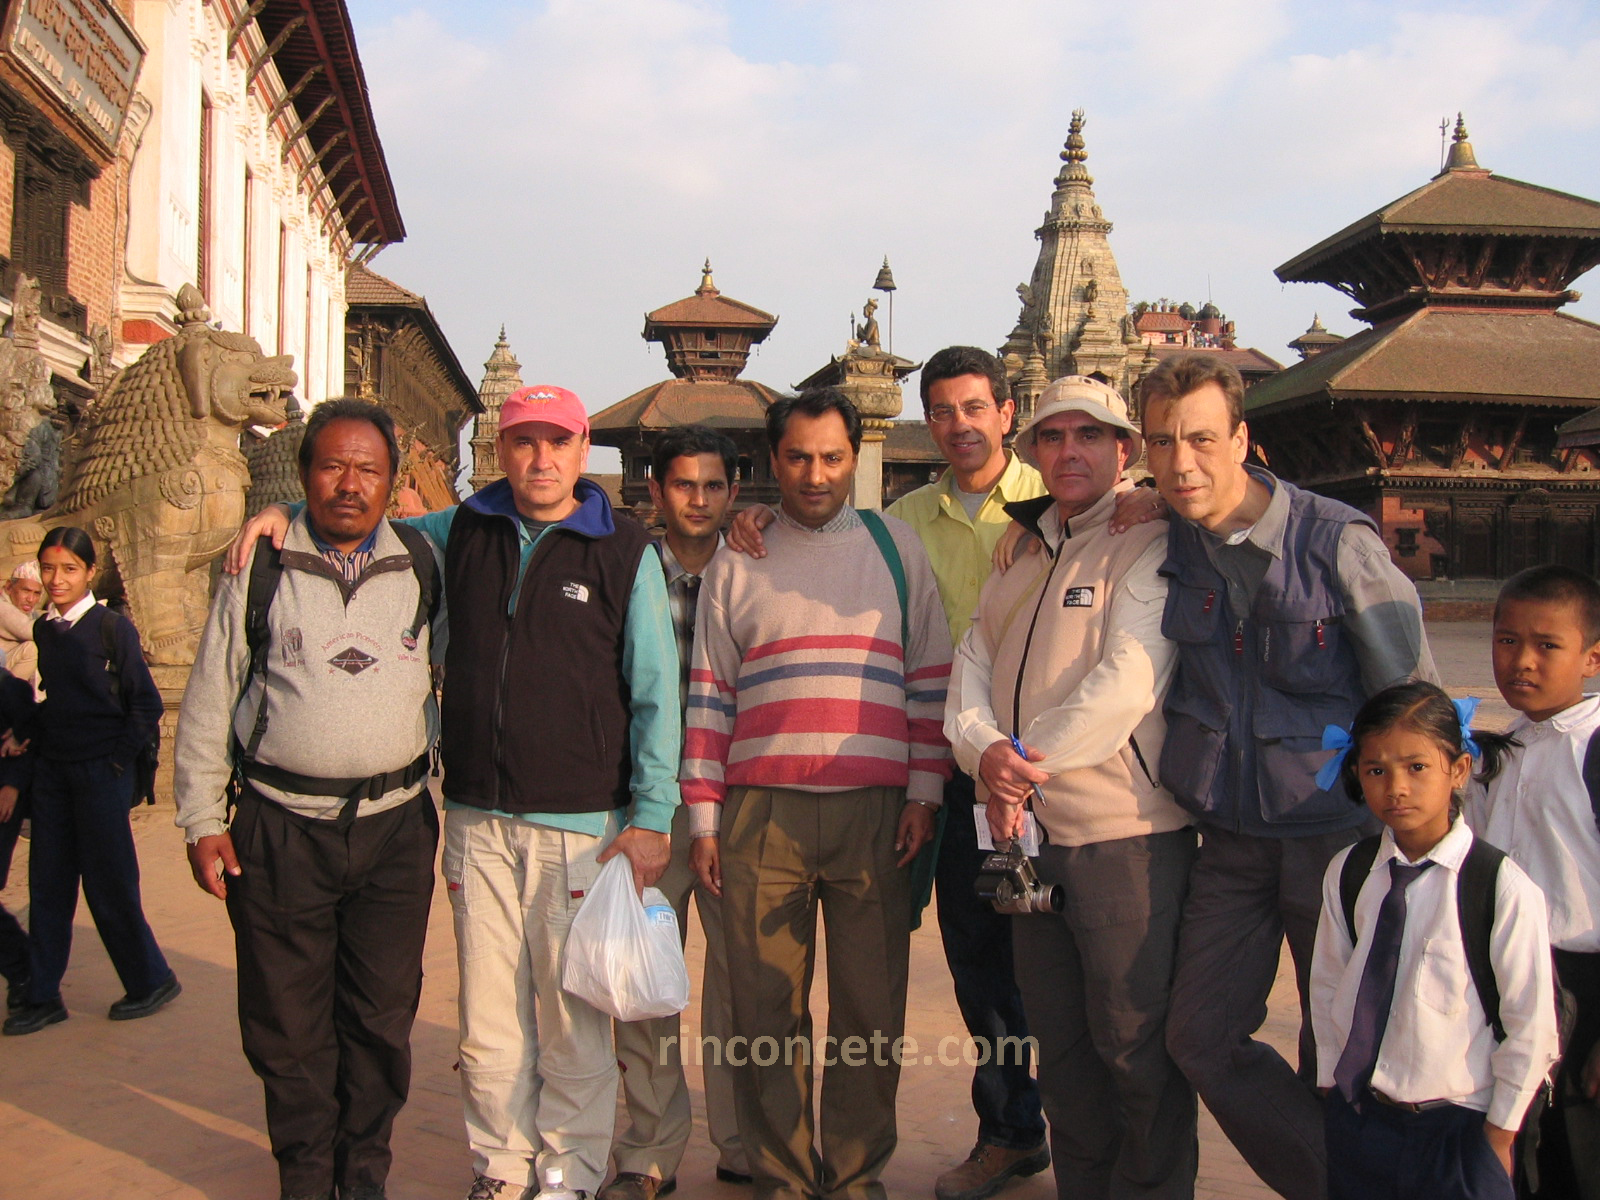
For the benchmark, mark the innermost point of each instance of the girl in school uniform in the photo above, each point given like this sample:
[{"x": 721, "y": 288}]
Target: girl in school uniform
[
  {"x": 1423, "y": 1096},
  {"x": 101, "y": 709}
]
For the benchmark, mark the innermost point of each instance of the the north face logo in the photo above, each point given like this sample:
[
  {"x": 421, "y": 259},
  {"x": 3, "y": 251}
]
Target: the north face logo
[
  {"x": 1078, "y": 597},
  {"x": 352, "y": 660},
  {"x": 575, "y": 591}
]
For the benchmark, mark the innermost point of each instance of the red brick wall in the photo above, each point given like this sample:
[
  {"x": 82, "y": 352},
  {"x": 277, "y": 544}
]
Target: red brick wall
[{"x": 96, "y": 244}]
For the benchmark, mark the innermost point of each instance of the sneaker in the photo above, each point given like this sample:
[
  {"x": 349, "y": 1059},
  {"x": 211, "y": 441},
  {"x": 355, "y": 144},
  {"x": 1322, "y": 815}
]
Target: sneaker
[
  {"x": 631, "y": 1185},
  {"x": 31, "y": 1018},
  {"x": 986, "y": 1170},
  {"x": 131, "y": 1008}
]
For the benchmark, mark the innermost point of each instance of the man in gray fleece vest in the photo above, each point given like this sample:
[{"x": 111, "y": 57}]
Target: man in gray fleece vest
[{"x": 327, "y": 863}]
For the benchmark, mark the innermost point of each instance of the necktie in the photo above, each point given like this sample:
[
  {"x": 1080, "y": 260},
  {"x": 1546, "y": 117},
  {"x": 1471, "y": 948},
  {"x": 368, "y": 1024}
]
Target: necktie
[{"x": 1376, "y": 992}]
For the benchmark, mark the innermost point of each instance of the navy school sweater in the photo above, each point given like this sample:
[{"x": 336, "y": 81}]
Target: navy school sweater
[{"x": 83, "y": 716}]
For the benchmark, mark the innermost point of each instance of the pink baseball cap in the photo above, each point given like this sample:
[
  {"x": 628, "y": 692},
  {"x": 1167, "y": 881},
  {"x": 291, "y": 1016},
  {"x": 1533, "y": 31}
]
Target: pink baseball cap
[{"x": 548, "y": 403}]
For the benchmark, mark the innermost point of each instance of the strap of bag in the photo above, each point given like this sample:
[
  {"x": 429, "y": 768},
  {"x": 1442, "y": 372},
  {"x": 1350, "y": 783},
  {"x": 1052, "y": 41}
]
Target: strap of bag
[
  {"x": 1591, "y": 774},
  {"x": 1475, "y": 897},
  {"x": 897, "y": 569},
  {"x": 425, "y": 568}
]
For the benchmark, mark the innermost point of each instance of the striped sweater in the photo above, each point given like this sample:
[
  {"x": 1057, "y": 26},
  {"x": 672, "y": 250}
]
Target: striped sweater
[{"x": 799, "y": 679}]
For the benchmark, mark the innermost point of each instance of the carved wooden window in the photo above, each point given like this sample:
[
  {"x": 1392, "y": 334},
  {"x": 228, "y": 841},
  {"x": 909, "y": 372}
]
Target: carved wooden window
[{"x": 39, "y": 228}]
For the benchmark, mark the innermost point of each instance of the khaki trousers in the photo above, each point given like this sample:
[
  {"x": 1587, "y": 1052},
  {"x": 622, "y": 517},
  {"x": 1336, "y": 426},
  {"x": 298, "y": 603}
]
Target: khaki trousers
[
  {"x": 784, "y": 853},
  {"x": 538, "y": 1073},
  {"x": 649, "y": 1052}
]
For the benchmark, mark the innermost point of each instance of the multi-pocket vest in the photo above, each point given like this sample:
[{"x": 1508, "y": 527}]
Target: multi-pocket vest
[{"x": 1246, "y": 711}]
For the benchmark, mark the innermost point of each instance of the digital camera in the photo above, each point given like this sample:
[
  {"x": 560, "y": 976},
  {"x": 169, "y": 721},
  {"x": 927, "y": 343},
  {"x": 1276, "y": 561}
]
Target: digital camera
[{"x": 1008, "y": 881}]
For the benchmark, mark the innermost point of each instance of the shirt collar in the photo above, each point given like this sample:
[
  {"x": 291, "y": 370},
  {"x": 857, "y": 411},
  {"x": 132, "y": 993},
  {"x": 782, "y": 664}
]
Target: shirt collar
[
  {"x": 1563, "y": 722},
  {"x": 1267, "y": 533},
  {"x": 367, "y": 544},
  {"x": 672, "y": 568},
  {"x": 74, "y": 614},
  {"x": 1007, "y": 488},
  {"x": 1450, "y": 852},
  {"x": 845, "y": 518}
]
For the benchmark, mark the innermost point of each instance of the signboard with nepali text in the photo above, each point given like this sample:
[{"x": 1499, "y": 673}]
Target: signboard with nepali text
[{"x": 84, "y": 54}]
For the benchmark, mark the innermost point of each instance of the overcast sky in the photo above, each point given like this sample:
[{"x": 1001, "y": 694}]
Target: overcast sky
[{"x": 563, "y": 167}]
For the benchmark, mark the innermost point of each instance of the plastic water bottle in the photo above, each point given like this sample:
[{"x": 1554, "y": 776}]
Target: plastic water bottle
[{"x": 555, "y": 1186}]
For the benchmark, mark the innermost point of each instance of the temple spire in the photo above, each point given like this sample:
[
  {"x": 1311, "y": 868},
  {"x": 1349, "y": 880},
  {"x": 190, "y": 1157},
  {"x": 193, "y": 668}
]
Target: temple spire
[
  {"x": 1074, "y": 154},
  {"x": 707, "y": 286}
]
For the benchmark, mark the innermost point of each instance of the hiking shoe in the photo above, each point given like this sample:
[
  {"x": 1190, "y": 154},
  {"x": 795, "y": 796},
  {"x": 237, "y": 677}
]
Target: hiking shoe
[
  {"x": 131, "y": 1008},
  {"x": 987, "y": 1169},
  {"x": 631, "y": 1185},
  {"x": 31, "y": 1018},
  {"x": 484, "y": 1188}
]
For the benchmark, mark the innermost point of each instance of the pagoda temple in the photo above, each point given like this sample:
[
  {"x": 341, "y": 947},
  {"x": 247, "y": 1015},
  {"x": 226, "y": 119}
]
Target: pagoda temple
[
  {"x": 1441, "y": 419},
  {"x": 707, "y": 338}
]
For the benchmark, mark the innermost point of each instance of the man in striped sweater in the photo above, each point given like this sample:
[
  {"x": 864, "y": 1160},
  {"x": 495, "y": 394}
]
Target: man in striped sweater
[{"x": 813, "y": 764}]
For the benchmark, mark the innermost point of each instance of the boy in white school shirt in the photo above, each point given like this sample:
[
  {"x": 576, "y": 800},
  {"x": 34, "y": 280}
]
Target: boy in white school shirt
[{"x": 1546, "y": 643}]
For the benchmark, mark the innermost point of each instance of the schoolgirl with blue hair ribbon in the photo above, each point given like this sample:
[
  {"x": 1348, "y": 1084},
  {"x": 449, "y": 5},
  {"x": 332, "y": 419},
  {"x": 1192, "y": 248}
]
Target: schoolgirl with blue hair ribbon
[{"x": 1424, "y": 1086}]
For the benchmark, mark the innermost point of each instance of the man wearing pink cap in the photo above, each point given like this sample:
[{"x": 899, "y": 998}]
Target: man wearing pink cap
[{"x": 562, "y": 730}]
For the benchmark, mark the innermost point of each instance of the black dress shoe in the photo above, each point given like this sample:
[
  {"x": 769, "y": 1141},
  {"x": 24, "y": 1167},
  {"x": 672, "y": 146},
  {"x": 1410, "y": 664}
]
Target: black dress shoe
[
  {"x": 16, "y": 995},
  {"x": 130, "y": 1008},
  {"x": 726, "y": 1176},
  {"x": 31, "y": 1018}
]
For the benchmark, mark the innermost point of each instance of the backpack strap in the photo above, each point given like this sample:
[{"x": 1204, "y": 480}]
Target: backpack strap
[
  {"x": 426, "y": 569},
  {"x": 1353, "y": 876},
  {"x": 1476, "y": 888},
  {"x": 891, "y": 557},
  {"x": 1591, "y": 774},
  {"x": 266, "y": 572}
]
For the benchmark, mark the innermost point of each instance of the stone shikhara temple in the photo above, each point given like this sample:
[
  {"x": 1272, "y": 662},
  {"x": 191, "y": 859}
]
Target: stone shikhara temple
[{"x": 1441, "y": 420}]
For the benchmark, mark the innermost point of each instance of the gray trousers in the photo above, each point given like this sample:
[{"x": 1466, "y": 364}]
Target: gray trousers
[
  {"x": 1246, "y": 894},
  {"x": 1095, "y": 982}
]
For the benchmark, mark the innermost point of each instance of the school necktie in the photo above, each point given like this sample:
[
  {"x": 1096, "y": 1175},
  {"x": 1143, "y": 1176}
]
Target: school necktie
[{"x": 1376, "y": 993}]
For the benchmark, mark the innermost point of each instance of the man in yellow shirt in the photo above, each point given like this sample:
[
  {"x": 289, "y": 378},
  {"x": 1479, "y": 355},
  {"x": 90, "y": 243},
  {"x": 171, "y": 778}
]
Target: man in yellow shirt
[{"x": 966, "y": 400}]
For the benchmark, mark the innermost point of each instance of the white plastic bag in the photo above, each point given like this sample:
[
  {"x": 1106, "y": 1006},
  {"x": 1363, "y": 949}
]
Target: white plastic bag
[{"x": 623, "y": 954}]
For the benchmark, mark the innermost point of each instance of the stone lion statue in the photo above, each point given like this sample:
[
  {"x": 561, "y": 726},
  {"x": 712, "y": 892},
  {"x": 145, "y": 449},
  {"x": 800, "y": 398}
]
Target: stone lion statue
[{"x": 155, "y": 475}]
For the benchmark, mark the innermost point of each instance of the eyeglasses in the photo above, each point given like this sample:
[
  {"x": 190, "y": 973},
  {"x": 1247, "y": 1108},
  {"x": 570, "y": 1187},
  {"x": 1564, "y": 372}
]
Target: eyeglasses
[{"x": 972, "y": 410}]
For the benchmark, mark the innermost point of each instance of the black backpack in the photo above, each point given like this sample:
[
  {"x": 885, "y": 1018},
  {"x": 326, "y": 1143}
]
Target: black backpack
[
  {"x": 149, "y": 756},
  {"x": 1475, "y": 893}
]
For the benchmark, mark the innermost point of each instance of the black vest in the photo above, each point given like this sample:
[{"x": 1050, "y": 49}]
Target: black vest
[{"x": 536, "y": 708}]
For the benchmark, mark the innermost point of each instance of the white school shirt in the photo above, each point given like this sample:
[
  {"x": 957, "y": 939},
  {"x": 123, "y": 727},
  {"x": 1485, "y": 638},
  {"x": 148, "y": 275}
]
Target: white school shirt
[
  {"x": 1438, "y": 1044},
  {"x": 1537, "y": 810}
]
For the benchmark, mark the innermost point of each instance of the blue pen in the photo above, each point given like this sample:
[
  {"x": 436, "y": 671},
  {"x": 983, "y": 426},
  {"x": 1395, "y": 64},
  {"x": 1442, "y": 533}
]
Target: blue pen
[{"x": 1022, "y": 753}]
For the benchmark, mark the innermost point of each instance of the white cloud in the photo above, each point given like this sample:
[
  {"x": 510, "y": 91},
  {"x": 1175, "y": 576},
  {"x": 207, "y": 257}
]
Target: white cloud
[{"x": 571, "y": 172}]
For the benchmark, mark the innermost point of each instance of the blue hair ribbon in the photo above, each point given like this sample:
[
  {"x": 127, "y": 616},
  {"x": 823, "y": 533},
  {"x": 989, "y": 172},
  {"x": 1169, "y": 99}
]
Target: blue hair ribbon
[{"x": 1335, "y": 738}]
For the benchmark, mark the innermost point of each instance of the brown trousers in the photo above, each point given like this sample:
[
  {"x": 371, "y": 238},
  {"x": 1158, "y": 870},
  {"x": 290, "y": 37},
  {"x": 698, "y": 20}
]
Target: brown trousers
[{"x": 784, "y": 853}]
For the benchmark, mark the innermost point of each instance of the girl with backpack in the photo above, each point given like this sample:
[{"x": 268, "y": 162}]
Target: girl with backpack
[
  {"x": 101, "y": 710},
  {"x": 1432, "y": 1000}
]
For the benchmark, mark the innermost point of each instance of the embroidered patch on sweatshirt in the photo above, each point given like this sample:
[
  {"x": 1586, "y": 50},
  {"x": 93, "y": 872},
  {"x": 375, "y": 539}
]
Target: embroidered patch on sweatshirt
[
  {"x": 575, "y": 591},
  {"x": 1078, "y": 597}
]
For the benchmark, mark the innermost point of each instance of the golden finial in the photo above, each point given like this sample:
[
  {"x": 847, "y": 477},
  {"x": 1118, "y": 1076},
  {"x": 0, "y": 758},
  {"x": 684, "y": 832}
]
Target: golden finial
[
  {"x": 1461, "y": 157},
  {"x": 1074, "y": 152},
  {"x": 706, "y": 284}
]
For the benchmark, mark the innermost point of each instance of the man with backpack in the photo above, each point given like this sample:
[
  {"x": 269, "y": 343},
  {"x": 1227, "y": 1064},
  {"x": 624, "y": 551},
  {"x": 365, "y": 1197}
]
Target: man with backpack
[{"x": 311, "y": 705}]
